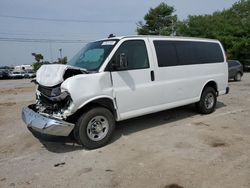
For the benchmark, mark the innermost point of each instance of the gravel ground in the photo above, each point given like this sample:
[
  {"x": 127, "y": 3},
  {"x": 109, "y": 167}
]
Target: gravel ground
[{"x": 176, "y": 148}]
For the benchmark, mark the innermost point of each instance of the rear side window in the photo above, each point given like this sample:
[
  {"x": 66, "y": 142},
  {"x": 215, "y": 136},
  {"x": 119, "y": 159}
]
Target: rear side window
[
  {"x": 198, "y": 52},
  {"x": 166, "y": 53},
  {"x": 188, "y": 53}
]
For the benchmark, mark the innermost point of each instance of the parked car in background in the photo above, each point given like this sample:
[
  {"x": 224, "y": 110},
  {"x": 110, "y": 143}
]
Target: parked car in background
[
  {"x": 16, "y": 75},
  {"x": 29, "y": 74},
  {"x": 235, "y": 70},
  {"x": 4, "y": 74}
]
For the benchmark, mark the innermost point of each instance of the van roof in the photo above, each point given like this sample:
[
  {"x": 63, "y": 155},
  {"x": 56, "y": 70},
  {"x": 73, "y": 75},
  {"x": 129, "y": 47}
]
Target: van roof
[{"x": 163, "y": 37}]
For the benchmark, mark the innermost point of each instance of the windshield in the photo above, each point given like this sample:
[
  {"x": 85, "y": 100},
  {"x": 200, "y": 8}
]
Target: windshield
[{"x": 93, "y": 55}]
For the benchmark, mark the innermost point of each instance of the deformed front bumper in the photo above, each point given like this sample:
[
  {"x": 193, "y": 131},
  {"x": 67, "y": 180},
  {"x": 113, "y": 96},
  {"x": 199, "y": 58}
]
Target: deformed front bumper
[{"x": 46, "y": 125}]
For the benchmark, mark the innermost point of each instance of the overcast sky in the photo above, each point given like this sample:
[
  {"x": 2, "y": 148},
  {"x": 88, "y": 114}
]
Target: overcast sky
[{"x": 90, "y": 20}]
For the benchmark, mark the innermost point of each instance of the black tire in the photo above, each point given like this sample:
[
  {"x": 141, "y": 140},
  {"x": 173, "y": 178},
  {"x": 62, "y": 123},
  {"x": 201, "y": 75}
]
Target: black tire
[
  {"x": 86, "y": 135},
  {"x": 237, "y": 77},
  {"x": 205, "y": 105}
]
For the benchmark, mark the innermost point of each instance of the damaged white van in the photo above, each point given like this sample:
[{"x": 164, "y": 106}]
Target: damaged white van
[{"x": 124, "y": 77}]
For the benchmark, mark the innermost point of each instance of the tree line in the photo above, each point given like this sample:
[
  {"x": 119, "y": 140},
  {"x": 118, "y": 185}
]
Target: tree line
[
  {"x": 230, "y": 26},
  {"x": 39, "y": 61}
]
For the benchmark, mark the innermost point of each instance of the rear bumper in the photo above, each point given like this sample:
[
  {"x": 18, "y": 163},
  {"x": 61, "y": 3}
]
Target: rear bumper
[{"x": 46, "y": 125}]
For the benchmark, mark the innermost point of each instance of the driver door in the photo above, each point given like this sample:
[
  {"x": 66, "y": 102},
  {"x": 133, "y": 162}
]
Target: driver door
[{"x": 132, "y": 84}]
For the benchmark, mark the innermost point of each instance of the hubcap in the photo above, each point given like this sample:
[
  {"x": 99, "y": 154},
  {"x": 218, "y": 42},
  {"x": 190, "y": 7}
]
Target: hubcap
[
  {"x": 238, "y": 76},
  {"x": 97, "y": 128},
  {"x": 209, "y": 101}
]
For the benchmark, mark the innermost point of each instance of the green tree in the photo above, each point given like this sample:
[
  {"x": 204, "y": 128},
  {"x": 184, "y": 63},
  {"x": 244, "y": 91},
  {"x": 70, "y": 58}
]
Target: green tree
[
  {"x": 36, "y": 66},
  {"x": 63, "y": 60},
  {"x": 231, "y": 27},
  {"x": 158, "y": 21},
  {"x": 38, "y": 57}
]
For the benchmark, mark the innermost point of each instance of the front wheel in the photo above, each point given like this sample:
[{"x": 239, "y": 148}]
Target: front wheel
[
  {"x": 208, "y": 101},
  {"x": 95, "y": 128}
]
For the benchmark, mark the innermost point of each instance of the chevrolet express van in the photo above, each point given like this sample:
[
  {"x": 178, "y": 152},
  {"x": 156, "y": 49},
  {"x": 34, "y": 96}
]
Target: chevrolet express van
[{"x": 124, "y": 77}]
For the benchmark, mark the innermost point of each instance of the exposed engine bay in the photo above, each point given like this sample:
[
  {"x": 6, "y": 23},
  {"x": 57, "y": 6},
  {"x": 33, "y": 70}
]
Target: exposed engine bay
[{"x": 50, "y": 100}]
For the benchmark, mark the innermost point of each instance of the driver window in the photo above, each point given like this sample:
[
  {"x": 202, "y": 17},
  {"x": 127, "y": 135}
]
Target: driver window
[{"x": 135, "y": 52}]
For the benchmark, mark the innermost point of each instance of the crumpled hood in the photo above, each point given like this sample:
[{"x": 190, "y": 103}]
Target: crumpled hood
[{"x": 51, "y": 75}]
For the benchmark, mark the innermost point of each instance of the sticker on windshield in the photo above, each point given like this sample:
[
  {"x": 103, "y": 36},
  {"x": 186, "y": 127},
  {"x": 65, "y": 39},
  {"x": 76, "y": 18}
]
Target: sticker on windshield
[{"x": 108, "y": 42}]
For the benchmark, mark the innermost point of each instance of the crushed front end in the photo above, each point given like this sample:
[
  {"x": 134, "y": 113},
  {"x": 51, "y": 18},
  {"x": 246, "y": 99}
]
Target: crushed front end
[
  {"x": 49, "y": 114},
  {"x": 51, "y": 101}
]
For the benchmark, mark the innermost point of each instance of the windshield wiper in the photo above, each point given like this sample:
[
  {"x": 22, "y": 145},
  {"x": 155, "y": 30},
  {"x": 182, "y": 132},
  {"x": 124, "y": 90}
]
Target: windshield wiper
[{"x": 84, "y": 70}]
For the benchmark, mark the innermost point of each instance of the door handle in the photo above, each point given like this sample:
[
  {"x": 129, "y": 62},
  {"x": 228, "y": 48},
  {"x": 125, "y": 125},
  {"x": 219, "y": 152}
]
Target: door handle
[{"x": 152, "y": 74}]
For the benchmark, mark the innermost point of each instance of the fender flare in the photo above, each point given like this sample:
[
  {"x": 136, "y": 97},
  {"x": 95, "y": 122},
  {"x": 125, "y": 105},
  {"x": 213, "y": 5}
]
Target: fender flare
[
  {"x": 101, "y": 97},
  {"x": 206, "y": 83}
]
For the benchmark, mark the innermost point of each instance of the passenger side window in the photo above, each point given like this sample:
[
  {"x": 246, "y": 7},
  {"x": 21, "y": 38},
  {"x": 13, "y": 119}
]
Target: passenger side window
[
  {"x": 173, "y": 53},
  {"x": 135, "y": 53},
  {"x": 166, "y": 53},
  {"x": 190, "y": 53}
]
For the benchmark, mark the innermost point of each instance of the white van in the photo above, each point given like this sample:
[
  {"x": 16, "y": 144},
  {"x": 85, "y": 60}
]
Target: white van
[{"x": 124, "y": 77}]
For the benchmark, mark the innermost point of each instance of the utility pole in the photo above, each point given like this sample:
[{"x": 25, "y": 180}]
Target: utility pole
[
  {"x": 173, "y": 26},
  {"x": 60, "y": 50},
  {"x": 51, "y": 54}
]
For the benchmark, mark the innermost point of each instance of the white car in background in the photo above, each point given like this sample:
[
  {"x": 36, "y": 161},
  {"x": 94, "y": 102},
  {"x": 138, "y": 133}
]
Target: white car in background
[
  {"x": 29, "y": 74},
  {"x": 16, "y": 75}
]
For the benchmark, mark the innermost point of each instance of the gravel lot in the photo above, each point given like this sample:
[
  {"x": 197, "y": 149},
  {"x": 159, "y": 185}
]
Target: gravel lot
[{"x": 171, "y": 149}]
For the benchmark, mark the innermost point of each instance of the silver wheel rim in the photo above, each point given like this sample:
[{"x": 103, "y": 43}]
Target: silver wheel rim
[
  {"x": 97, "y": 128},
  {"x": 238, "y": 76},
  {"x": 209, "y": 101}
]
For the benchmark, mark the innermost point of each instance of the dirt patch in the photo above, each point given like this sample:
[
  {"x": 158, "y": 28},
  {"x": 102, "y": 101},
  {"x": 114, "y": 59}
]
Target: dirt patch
[
  {"x": 8, "y": 104},
  {"x": 201, "y": 124},
  {"x": 214, "y": 141},
  {"x": 217, "y": 144},
  {"x": 16, "y": 90},
  {"x": 183, "y": 145},
  {"x": 59, "y": 164},
  {"x": 83, "y": 171},
  {"x": 11, "y": 148},
  {"x": 173, "y": 186}
]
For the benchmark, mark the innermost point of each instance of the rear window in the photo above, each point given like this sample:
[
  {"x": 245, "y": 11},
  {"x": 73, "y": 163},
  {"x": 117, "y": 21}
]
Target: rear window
[
  {"x": 172, "y": 53},
  {"x": 232, "y": 63}
]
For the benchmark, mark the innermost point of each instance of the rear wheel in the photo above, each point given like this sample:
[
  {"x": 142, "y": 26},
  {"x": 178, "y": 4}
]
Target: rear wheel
[
  {"x": 237, "y": 77},
  {"x": 95, "y": 128},
  {"x": 208, "y": 101}
]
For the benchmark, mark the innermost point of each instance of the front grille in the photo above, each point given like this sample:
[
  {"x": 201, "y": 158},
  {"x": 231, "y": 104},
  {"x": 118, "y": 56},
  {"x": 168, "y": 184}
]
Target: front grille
[{"x": 45, "y": 90}]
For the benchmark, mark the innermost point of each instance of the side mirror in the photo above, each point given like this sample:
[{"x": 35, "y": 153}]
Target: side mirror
[
  {"x": 122, "y": 60},
  {"x": 120, "y": 63}
]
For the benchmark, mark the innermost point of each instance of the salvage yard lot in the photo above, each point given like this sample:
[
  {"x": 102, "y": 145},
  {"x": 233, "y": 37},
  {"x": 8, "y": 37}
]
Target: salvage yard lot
[{"x": 175, "y": 147}]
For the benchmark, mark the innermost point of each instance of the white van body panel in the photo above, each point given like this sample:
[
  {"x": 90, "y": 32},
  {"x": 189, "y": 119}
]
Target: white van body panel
[
  {"x": 84, "y": 88},
  {"x": 133, "y": 90},
  {"x": 134, "y": 93},
  {"x": 174, "y": 86}
]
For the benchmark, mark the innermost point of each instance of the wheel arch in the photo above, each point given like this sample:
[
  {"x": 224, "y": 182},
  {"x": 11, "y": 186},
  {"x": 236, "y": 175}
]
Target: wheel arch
[
  {"x": 210, "y": 83},
  {"x": 101, "y": 101}
]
